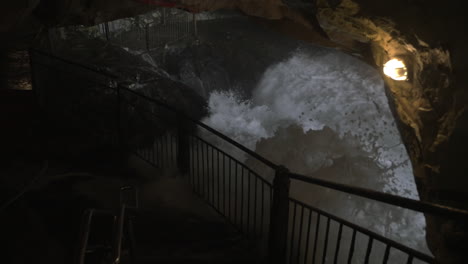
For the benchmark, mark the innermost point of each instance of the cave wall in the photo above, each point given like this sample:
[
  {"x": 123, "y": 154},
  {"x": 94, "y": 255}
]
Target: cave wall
[
  {"x": 431, "y": 106},
  {"x": 429, "y": 35}
]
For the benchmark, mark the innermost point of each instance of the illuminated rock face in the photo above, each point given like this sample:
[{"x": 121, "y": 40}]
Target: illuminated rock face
[{"x": 430, "y": 108}]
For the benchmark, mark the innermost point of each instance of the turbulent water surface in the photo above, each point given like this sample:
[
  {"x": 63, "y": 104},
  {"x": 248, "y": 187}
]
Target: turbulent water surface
[{"x": 325, "y": 114}]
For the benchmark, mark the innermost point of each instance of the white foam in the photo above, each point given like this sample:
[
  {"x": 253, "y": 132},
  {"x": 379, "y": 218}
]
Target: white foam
[
  {"x": 330, "y": 89},
  {"x": 318, "y": 93}
]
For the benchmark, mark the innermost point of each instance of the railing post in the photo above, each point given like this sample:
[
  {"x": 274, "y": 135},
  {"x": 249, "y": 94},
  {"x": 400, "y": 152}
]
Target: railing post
[
  {"x": 106, "y": 29},
  {"x": 120, "y": 141},
  {"x": 51, "y": 37},
  {"x": 183, "y": 148},
  {"x": 37, "y": 94},
  {"x": 147, "y": 37},
  {"x": 195, "y": 26},
  {"x": 279, "y": 217}
]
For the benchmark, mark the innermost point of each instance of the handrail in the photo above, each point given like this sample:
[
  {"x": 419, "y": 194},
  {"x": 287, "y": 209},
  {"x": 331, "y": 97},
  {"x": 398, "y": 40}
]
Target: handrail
[
  {"x": 119, "y": 237},
  {"x": 176, "y": 111},
  {"x": 210, "y": 129},
  {"x": 18, "y": 195},
  {"x": 363, "y": 230},
  {"x": 85, "y": 236},
  {"x": 85, "y": 231},
  {"x": 416, "y": 205},
  {"x": 96, "y": 70},
  {"x": 234, "y": 159},
  {"x": 420, "y": 206}
]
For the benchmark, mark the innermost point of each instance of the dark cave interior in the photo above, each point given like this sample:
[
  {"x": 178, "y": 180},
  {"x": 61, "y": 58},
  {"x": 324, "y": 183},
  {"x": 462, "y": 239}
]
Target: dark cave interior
[{"x": 99, "y": 97}]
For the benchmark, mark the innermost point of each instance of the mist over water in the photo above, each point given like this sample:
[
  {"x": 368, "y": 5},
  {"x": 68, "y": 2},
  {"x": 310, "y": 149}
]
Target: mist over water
[
  {"x": 325, "y": 114},
  {"x": 316, "y": 91}
]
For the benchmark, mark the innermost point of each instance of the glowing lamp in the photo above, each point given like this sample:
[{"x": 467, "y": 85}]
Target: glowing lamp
[{"x": 396, "y": 70}]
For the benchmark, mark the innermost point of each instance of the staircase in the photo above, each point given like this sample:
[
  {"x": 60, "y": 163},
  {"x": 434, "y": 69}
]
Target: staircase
[{"x": 159, "y": 235}]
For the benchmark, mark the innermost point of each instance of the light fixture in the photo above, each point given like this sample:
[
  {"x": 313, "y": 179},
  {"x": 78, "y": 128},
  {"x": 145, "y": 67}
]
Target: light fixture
[{"x": 396, "y": 69}]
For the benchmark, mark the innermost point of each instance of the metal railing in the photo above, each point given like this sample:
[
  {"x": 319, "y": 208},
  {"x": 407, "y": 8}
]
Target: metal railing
[
  {"x": 170, "y": 26},
  {"x": 303, "y": 250},
  {"x": 240, "y": 194},
  {"x": 86, "y": 230},
  {"x": 163, "y": 26},
  {"x": 259, "y": 207}
]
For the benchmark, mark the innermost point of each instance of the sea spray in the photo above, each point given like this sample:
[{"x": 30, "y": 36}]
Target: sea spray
[{"x": 334, "y": 96}]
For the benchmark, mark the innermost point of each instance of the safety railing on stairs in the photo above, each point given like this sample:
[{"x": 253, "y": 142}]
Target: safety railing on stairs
[
  {"x": 236, "y": 191},
  {"x": 112, "y": 242},
  {"x": 250, "y": 191}
]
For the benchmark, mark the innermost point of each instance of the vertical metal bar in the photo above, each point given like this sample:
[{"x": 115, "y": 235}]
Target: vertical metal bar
[
  {"x": 86, "y": 229},
  {"x": 153, "y": 156},
  {"x": 291, "y": 249},
  {"x": 207, "y": 174},
  {"x": 147, "y": 37},
  {"x": 120, "y": 39},
  {"x": 148, "y": 153},
  {"x": 212, "y": 177},
  {"x": 106, "y": 28},
  {"x": 299, "y": 240},
  {"x": 242, "y": 202},
  {"x": 195, "y": 27},
  {"x": 171, "y": 148},
  {"x": 185, "y": 150},
  {"x": 255, "y": 207},
  {"x": 263, "y": 208},
  {"x": 224, "y": 184},
  {"x": 198, "y": 166},
  {"x": 410, "y": 259},
  {"x": 387, "y": 254},
  {"x": 327, "y": 231},
  {"x": 168, "y": 142},
  {"x": 219, "y": 178},
  {"x": 369, "y": 249},
  {"x": 156, "y": 147},
  {"x": 191, "y": 161},
  {"x": 309, "y": 223},
  {"x": 271, "y": 198},
  {"x": 203, "y": 169},
  {"x": 117, "y": 249},
  {"x": 279, "y": 217},
  {"x": 248, "y": 201},
  {"x": 161, "y": 151},
  {"x": 153, "y": 147},
  {"x": 235, "y": 191},
  {"x": 351, "y": 248},
  {"x": 338, "y": 243},
  {"x": 120, "y": 133},
  {"x": 316, "y": 237},
  {"x": 175, "y": 149},
  {"x": 229, "y": 187},
  {"x": 193, "y": 148}
]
